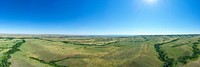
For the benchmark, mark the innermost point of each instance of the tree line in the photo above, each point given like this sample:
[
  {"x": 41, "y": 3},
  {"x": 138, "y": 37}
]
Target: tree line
[
  {"x": 7, "y": 55},
  {"x": 51, "y": 63},
  {"x": 196, "y": 53},
  {"x": 168, "y": 62}
]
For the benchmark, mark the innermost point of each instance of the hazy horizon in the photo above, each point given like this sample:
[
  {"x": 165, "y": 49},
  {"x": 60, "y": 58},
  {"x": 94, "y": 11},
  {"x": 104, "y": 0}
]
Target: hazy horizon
[
  {"x": 100, "y": 17},
  {"x": 99, "y": 34}
]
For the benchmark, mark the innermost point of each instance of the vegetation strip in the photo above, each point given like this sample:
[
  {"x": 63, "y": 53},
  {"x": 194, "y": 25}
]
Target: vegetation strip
[
  {"x": 68, "y": 42},
  {"x": 75, "y": 57},
  {"x": 51, "y": 63},
  {"x": 4, "y": 47},
  {"x": 7, "y": 55},
  {"x": 168, "y": 62},
  {"x": 196, "y": 53}
]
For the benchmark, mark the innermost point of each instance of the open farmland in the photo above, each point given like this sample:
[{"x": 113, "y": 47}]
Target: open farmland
[{"x": 100, "y": 51}]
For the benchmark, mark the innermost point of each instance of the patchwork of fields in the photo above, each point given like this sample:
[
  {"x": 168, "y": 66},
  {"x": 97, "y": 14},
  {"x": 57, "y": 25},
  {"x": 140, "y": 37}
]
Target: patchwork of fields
[{"x": 100, "y": 51}]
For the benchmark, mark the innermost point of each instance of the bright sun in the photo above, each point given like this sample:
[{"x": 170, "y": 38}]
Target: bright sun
[{"x": 150, "y": 1}]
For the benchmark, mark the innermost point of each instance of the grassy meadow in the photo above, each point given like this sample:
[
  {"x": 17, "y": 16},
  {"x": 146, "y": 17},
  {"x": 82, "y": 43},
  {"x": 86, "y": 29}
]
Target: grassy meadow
[{"x": 99, "y": 51}]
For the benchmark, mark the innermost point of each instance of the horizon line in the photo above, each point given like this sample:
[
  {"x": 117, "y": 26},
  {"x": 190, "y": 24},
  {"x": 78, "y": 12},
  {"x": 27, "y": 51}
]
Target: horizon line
[{"x": 99, "y": 34}]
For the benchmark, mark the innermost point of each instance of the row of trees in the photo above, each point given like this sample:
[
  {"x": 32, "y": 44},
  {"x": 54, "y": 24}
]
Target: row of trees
[
  {"x": 51, "y": 63},
  {"x": 4, "y": 62},
  {"x": 168, "y": 62},
  {"x": 30, "y": 38},
  {"x": 67, "y": 42},
  {"x": 196, "y": 53},
  {"x": 8, "y": 38}
]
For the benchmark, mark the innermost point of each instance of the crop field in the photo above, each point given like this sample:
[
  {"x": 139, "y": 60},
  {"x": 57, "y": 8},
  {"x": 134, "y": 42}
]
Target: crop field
[{"x": 99, "y": 51}]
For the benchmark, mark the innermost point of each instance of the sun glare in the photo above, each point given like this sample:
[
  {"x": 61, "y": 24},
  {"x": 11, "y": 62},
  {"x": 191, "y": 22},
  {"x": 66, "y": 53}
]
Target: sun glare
[{"x": 150, "y": 1}]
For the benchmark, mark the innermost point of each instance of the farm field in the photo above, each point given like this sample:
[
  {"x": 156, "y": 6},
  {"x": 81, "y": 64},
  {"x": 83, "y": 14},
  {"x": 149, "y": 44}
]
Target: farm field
[{"x": 99, "y": 51}]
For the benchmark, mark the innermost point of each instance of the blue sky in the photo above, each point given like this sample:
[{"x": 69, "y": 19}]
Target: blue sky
[{"x": 100, "y": 17}]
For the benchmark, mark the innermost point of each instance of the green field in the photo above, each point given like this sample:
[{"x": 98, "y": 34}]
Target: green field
[{"x": 100, "y": 51}]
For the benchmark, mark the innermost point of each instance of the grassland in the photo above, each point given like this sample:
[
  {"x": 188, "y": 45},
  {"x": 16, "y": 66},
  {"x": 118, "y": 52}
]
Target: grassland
[{"x": 100, "y": 51}]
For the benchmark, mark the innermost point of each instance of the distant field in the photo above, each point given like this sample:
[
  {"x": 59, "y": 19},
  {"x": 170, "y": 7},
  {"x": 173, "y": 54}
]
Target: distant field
[{"x": 100, "y": 51}]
